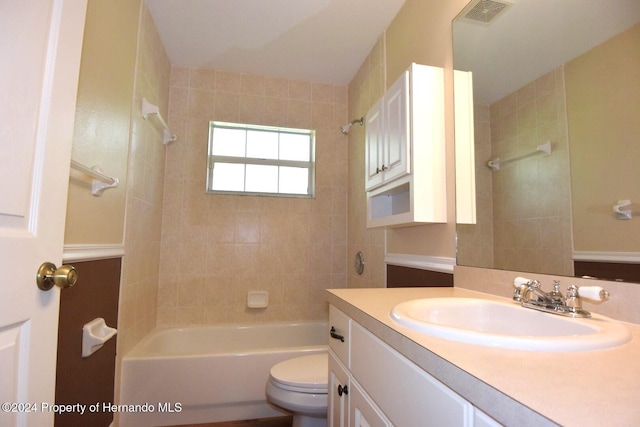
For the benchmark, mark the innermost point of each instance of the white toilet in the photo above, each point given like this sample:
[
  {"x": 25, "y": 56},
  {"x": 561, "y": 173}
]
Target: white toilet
[{"x": 299, "y": 385}]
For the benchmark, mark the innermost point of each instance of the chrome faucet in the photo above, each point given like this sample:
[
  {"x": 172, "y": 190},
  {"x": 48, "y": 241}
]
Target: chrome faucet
[{"x": 528, "y": 293}]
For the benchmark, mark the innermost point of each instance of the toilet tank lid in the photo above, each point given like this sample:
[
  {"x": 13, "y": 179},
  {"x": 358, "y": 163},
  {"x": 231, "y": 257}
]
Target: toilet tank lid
[{"x": 305, "y": 371}]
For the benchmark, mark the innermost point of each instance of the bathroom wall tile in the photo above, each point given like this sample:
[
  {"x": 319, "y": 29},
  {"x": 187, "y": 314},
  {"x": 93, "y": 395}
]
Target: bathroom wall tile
[
  {"x": 220, "y": 259},
  {"x": 300, "y": 90},
  {"x": 521, "y": 195},
  {"x": 228, "y": 82},
  {"x": 299, "y": 114},
  {"x": 340, "y": 95},
  {"x": 247, "y": 229},
  {"x": 321, "y": 230},
  {"x": 252, "y": 85},
  {"x": 228, "y": 245},
  {"x": 322, "y": 116},
  {"x": 546, "y": 84},
  {"x": 200, "y": 103},
  {"x": 276, "y": 87},
  {"x": 251, "y": 109},
  {"x": 141, "y": 268},
  {"x": 322, "y": 92},
  {"x": 202, "y": 79},
  {"x": 179, "y": 77},
  {"x": 275, "y": 111},
  {"x": 227, "y": 107},
  {"x": 222, "y": 226},
  {"x": 179, "y": 100}
]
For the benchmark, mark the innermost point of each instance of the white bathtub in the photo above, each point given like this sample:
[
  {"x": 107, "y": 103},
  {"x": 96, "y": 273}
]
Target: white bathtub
[{"x": 209, "y": 374}]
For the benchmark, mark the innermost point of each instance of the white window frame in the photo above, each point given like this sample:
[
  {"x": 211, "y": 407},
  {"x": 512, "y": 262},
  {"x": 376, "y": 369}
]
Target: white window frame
[{"x": 213, "y": 159}]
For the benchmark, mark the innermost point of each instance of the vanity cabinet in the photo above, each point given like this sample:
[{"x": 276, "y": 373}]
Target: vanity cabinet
[
  {"x": 405, "y": 174},
  {"x": 348, "y": 404},
  {"x": 384, "y": 388}
]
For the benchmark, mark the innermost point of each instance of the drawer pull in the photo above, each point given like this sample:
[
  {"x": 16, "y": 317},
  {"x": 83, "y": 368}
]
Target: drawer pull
[
  {"x": 342, "y": 390},
  {"x": 335, "y": 335}
]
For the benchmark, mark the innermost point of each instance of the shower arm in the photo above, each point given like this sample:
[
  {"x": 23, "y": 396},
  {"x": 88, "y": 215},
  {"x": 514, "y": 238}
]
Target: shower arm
[{"x": 345, "y": 129}]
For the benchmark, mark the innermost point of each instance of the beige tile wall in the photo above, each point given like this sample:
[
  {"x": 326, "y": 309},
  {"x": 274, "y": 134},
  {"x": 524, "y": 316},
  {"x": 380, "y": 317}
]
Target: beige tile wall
[
  {"x": 140, "y": 268},
  {"x": 531, "y": 196},
  {"x": 475, "y": 241},
  {"x": 366, "y": 88},
  {"x": 216, "y": 248}
]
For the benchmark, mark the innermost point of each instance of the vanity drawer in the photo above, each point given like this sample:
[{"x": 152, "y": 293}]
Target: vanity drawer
[
  {"x": 339, "y": 324},
  {"x": 408, "y": 395}
]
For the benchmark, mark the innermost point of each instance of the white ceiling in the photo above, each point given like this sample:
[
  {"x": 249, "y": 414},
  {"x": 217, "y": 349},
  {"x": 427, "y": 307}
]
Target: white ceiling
[
  {"x": 322, "y": 41},
  {"x": 533, "y": 37}
]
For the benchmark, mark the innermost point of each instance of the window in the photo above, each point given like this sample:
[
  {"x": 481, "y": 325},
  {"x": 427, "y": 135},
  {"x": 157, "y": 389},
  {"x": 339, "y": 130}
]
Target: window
[{"x": 263, "y": 160}]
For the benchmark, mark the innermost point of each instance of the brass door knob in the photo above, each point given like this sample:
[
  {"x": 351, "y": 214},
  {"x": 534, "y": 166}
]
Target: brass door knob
[{"x": 49, "y": 275}]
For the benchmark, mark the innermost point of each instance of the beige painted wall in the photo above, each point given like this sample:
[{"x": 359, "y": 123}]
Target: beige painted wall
[
  {"x": 103, "y": 113},
  {"x": 421, "y": 33},
  {"x": 122, "y": 61},
  {"x": 216, "y": 248},
  {"x": 603, "y": 88}
]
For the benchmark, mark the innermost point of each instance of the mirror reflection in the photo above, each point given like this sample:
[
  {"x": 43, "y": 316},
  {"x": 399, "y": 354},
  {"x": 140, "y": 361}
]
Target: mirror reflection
[{"x": 556, "y": 88}]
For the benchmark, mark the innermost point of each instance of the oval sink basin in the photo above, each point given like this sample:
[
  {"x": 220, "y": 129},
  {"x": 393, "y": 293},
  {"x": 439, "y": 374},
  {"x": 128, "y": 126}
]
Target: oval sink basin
[{"x": 506, "y": 325}]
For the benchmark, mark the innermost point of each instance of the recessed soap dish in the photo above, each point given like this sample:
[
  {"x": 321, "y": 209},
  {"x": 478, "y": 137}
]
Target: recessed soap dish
[{"x": 258, "y": 299}]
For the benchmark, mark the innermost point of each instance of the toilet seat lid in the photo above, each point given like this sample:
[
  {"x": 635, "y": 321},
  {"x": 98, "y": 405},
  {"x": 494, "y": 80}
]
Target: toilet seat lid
[{"x": 305, "y": 373}]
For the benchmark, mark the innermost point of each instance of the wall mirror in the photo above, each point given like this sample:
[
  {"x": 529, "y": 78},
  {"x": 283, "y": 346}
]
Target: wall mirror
[{"x": 556, "y": 133}]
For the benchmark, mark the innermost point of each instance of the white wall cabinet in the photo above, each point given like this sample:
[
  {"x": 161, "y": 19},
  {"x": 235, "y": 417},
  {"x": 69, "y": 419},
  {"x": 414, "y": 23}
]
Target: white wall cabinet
[
  {"x": 386, "y": 389},
  {"x": 405, "y": 151},
  {"x": 387, "y": 147}
]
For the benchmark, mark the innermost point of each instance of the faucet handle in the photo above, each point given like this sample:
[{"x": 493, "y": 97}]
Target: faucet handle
[
  {"x": 520, "y": 286},
  {"x": 519, "y": 281},
  {"x": 595, "y": 293}
]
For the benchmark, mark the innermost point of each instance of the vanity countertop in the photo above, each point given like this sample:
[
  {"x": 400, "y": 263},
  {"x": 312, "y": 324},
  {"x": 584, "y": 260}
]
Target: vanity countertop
[{"x": 590, "y": 388}]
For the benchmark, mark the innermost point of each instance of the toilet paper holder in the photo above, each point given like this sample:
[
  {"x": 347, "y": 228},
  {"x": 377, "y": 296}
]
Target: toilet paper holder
[{"x": 94, "y": 335}]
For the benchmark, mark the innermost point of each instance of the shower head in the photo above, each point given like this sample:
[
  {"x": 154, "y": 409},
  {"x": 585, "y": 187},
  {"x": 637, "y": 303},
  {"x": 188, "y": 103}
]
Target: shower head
[{"x": 345, "y": 129}]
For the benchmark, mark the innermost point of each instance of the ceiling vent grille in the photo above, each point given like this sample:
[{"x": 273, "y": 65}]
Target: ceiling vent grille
[{"x": 485, "y": 10}]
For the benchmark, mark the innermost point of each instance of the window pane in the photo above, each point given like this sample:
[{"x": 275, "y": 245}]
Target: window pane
[
  {"x": 294, "y": 146},
  {"x": 228, "y": 177},
  {"x": 294, "y": 180},
  {"x": 228, "y": 142},
  {"x": 262, "y": 144},
  {"x": 262, "y": 179},
  {"x": 266, "y": 159}
]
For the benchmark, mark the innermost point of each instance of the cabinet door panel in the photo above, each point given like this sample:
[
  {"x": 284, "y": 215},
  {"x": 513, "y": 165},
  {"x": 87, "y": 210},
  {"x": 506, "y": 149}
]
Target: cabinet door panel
[
  {"x": 396, "y": 149},
  {"x": 338, "y": 404},
  {"x": 409, "y": 395},
  {"x": 362, "y": 411},
  {"x": 374, "y": 146}
]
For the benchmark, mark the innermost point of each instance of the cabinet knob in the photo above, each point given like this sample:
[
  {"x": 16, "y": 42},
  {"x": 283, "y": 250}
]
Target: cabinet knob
[{"x": 342, "y": 390}]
